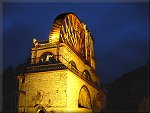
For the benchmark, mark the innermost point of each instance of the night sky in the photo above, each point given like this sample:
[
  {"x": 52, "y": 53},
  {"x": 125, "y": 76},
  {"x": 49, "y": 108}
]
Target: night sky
[{"x": 120, "y": 31}]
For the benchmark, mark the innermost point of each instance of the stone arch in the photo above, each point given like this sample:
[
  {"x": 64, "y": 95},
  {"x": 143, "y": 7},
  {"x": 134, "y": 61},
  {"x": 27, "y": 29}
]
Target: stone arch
[
  {"x": 84, "y": 99},
  {"x": 47, "y": 57},
  {"x": 87, "y": 75}
]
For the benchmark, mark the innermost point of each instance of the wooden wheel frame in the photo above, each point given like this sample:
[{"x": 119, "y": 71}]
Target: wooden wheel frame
[{"x": 67, "y": 28}]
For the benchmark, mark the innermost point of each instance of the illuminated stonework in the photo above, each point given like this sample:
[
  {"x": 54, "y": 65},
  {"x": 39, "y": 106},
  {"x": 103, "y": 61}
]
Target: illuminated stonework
[{"x": 60, "y": 73}]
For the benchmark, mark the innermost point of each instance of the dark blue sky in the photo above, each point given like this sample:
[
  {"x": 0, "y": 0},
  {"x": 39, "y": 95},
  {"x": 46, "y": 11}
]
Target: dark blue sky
[{"x": 120, "y": 31}]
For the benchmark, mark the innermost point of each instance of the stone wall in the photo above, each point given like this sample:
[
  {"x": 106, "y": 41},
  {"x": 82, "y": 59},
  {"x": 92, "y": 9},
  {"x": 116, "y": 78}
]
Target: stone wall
[
  {"x": 69, "y": 55},
  {"x": 48, "y": 89},
  {"x": 74, "y": 85}
]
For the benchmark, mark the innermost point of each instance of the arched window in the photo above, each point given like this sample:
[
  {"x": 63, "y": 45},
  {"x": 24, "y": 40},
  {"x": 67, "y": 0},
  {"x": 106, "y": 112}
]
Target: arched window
[
  {"x": 47, "y": 57},
  {"x": 87, "y": 75},
  {"x": 84, "y": 100},
  {"x": 73, "y": 64},
  {"x": 41, "y": 109},
  {"x": 97, "y": 83}
]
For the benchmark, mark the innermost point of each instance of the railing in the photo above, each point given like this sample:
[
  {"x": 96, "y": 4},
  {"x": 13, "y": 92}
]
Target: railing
[{"x": 46, "y": 45}]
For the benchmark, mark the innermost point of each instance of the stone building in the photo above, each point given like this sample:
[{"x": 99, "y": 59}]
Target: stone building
[{"x": 60, "y": 73}]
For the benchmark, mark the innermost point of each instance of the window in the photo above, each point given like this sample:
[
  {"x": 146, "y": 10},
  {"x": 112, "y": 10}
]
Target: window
[
  {"x": 87, "y": 75},
  {"x": 47, "y": 57},
  {"x": 22, "y": 80},
  {"x": 73, "y": 64}
]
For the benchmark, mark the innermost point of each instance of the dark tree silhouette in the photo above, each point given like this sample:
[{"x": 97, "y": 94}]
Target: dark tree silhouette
[
  {"x": 9, "y": 90},
  {"x": 127, "y": 93}
]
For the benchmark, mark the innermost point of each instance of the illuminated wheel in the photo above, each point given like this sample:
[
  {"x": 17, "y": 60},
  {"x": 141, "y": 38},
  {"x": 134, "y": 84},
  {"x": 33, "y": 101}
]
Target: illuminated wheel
[{"x": 68, "y": 29}]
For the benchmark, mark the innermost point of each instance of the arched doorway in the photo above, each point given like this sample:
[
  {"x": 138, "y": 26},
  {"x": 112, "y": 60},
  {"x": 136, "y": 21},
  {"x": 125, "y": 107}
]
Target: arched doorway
[{"x": 84, "y": 100}]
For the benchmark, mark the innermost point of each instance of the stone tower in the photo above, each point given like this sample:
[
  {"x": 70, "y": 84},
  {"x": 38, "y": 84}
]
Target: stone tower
[{"x": 60, "y": 73}]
